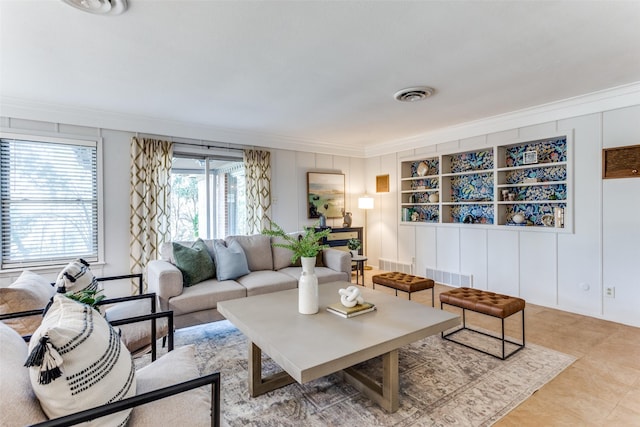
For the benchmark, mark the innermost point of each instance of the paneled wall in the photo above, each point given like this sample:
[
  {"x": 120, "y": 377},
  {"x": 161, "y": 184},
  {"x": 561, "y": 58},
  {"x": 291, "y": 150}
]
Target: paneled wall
[{"x": 568, "y": 271}]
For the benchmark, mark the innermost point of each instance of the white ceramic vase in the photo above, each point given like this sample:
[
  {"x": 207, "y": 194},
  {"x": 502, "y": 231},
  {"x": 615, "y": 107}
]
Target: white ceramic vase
[
  {"x": 354, "y": 252},
  {"x": 308, "y": 287}
]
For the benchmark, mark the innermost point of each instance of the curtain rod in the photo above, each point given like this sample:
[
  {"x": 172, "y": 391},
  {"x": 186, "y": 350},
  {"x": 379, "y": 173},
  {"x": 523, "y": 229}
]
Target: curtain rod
[{"x": 208, "y": 146}]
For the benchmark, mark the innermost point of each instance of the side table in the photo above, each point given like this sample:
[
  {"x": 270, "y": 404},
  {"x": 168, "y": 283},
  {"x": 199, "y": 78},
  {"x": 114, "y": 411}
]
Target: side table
[{"x": 359, "y": 260}]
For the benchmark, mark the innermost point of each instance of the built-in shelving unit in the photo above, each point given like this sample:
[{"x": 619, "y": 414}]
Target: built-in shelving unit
[{"x": 523, "y": 184}]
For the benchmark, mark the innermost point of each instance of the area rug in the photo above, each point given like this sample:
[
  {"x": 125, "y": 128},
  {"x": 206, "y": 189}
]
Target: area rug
[{"x": 441, "y": 384}]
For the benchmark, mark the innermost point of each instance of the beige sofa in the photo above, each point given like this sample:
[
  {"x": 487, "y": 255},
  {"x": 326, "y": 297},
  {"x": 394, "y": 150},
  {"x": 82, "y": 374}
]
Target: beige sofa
[{"x": 270, "y": 271}]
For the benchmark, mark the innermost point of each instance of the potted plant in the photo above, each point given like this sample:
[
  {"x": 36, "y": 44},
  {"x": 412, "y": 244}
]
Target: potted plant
[
  {"x": 305, "y": 246},
  {"x": 354, "y": 245}
]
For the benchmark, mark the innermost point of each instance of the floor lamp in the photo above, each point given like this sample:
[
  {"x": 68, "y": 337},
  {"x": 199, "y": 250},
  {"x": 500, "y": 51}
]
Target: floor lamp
[{"x": 365, "y": 202}]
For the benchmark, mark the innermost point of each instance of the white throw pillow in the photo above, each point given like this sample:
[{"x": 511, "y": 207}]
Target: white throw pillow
[
  {"x": 75, "y": 277},
  {"x": 18, "y": 404},
  {"x": 191, "y": 408},
  {"x": 29, "y": 292},
  {"x": 77, "y": 362}
]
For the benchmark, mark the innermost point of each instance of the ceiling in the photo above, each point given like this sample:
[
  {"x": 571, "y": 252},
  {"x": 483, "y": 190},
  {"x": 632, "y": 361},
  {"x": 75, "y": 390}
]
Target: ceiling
[{"x": 318, "y": 72}]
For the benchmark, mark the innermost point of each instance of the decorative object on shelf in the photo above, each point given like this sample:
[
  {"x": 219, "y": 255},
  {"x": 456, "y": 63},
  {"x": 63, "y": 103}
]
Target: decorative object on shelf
[
  {"x": 422, "y": 169},
  {"x": 308, "y": 287},
  {"x": 323, "y": 221},
  {"x": 547, "y": 220},
  {"x": 518, "y": 218},
  {"x": 558, "y": 214},
  {"x": 434, "y": 197},
  {"x": 415, "y": 216},
  {"x": 354, "y": 245},
  {"x": 549, "y": 150},
  {"x": 382, "y": 183},
  {"x": 325, "y": 194},
  {"x": 350, "y": 296},
  {"x": 346, "y": 220},
  {"x": 511, "y": 196},
  {"x": 469, "y": 219},
  {"x": 529, "y": 157},
  {"x": 505, "y": 195}
]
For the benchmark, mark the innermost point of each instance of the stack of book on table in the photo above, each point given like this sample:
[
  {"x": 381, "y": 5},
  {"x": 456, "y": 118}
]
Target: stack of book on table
[{"x": 356, "y": 310}]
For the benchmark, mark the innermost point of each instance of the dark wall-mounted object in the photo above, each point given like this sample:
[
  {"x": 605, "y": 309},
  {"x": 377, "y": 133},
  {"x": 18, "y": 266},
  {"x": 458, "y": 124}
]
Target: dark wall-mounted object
[{"x": 621, "y": 162}]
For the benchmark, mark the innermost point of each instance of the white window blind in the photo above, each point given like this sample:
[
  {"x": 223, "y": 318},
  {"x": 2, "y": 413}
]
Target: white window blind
[{"x": 49, "y": 202}]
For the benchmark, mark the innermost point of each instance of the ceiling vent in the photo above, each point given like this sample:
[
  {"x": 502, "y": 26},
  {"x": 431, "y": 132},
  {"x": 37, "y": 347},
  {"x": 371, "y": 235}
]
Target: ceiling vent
[
  {"x": 100, "y": 7},
  {"x": 414, "y": 94}
]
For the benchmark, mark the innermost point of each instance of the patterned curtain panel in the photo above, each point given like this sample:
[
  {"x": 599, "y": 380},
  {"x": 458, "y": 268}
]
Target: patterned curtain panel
[
  {"x": 149, "y": 198},
  {"x": 257, "y": 169}
]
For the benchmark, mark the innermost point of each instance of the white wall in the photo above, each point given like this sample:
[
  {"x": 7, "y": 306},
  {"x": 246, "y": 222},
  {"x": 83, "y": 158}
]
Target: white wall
[
  {"x": 567, "y": 271},
  {"x": 289, "y": 188}
]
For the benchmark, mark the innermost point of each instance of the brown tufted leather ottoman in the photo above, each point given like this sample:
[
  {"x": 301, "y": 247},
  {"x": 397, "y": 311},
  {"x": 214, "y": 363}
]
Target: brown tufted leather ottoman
[
  {"x": 489, "y": 303},
  {"x": 403, "y": 282}
]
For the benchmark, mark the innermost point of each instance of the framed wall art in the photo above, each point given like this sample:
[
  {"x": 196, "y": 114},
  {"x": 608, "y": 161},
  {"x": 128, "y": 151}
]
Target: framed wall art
[
  {"x": 382, "y": 183},
  {"x": 325, "y": 194}
]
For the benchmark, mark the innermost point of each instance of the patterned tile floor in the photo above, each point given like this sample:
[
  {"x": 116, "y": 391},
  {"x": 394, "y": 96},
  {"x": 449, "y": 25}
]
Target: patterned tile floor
[{"x": 602, "y": 388}]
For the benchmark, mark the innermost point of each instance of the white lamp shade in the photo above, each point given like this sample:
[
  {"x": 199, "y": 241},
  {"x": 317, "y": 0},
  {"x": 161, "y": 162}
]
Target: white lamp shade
[{"x": 365, "y": 202}]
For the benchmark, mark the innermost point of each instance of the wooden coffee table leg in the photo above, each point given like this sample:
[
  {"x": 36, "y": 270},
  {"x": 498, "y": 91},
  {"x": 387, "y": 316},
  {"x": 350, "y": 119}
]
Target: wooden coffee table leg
[
  {"x": 385, "y": 396},
  {"x": 259, "y": 385}
]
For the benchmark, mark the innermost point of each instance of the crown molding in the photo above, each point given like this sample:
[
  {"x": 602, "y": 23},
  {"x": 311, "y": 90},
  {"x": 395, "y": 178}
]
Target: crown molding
[
  {"x": 172, "y": 129},
  {"x": 595, "y": 102},
  {"x": 609, "y": 99}
]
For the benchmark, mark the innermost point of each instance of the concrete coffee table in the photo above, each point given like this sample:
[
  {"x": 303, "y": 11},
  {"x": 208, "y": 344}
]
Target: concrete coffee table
[{"x": 308, "y": 347}]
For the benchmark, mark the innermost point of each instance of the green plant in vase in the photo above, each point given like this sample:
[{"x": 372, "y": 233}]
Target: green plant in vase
[
  {"x": 354, "y": 244},
  {"x": 305, "y": 245}
]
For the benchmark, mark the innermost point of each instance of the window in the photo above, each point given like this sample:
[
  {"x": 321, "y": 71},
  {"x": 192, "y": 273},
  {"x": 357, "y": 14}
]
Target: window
[
  {"x": 207, "y": 198},
  {"x": 48, "y": 201}
]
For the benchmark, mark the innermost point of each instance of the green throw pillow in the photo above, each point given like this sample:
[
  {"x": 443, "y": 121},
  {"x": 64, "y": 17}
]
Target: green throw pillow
[{"x": 194, "y": 262}]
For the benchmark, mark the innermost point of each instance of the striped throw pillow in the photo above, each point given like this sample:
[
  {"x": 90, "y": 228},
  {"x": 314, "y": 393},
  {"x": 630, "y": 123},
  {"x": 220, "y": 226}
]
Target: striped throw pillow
[{"x": 77, "y": 361}]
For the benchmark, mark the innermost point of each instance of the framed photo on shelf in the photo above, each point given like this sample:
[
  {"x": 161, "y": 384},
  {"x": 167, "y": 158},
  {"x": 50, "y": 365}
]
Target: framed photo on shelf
[
  {"x": 529, "y": 157},
  {"x": 325, "y": 194}
]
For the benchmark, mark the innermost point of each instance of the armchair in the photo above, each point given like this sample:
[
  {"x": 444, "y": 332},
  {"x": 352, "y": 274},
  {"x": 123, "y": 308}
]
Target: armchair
[{"x": 173, "y": 376}]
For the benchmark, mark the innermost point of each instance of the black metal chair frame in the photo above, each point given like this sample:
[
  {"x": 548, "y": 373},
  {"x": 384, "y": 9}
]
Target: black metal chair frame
[
  {"x": 150, "y": 296},
  {"x": 519, "y": 346}
]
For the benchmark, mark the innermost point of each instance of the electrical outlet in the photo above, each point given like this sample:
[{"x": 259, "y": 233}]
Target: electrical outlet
[
  {"x": 610, "y": 292},
  {"x": 413, "y": 260}
]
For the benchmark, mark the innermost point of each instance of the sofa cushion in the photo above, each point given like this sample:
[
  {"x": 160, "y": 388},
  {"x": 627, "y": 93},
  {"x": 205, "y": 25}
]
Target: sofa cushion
[
  {"x": 266, "y": 281},
  {"x": 29, "y": 292},
  {"x": 257, "y": 249},
  {"x": 94, "y": 366},
  {"x": 205, "y": 296},
  {"x": 324, "y": 274},
  {"x": 136, "y": 336},
  {"x": 191, "y": 408},
  {"x": 18, "y": 405},
  {"x": 231, "y": 261},
  {"x": 166, "y": 249},
  {"x": 194, "y": 262}
]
